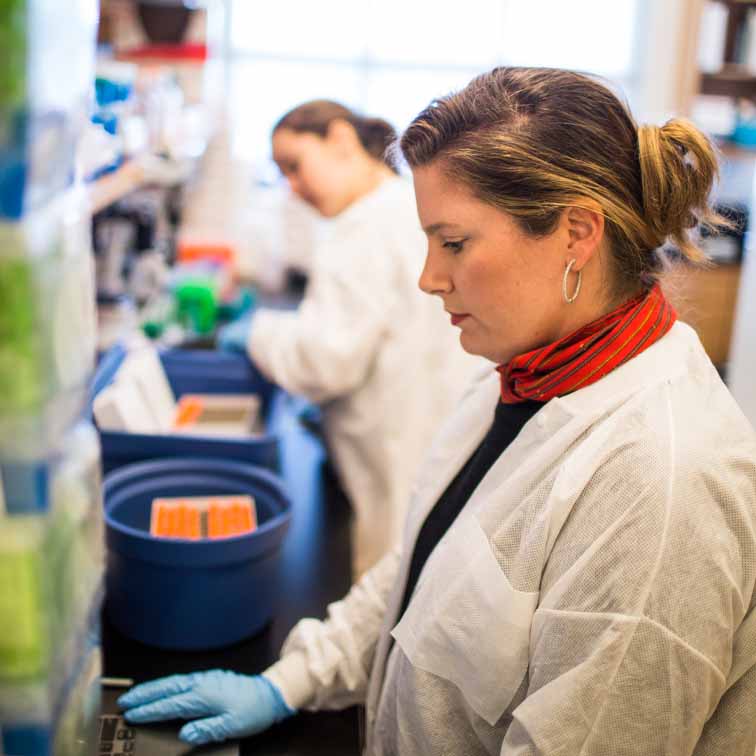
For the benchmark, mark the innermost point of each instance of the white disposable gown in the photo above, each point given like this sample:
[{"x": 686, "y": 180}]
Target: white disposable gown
[
  {"x": 379, "y": 355},
  {"x": 594, "y": 597}
]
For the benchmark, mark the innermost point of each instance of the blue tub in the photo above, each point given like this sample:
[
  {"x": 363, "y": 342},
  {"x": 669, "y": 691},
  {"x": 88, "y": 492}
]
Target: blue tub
[
  {"x": 180, "y": 594},
  {"x": 193, "y": 372}
]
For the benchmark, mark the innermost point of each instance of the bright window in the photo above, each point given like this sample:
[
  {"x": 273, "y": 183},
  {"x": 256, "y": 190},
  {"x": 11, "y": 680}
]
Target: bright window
[
  {"x": 434, "y": 32},
  {"x": 389, "y": 58},
  {"x": 328, "y": 30},
  {"x": 586, "y": 35}
]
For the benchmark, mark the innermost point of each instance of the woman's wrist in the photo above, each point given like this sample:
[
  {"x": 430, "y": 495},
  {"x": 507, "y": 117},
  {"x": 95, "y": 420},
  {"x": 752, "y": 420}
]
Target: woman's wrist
[{"x": 292, "y": 679}]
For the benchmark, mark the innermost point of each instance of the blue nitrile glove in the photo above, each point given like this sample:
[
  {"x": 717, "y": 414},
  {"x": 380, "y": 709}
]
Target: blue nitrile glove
[
  {"x": 234, "y": 337},
  {"x": 226, "y": 704}
]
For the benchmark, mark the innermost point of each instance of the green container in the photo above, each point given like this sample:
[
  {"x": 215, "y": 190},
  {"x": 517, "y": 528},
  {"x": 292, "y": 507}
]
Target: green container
[
  {"x": 13, "y": 30},
  {"x": 25, "y": 595},
  {"x": 25, "y": 349},
  {"x": 47, "y": 320},
  {"x": 197, "y": 305},
  {"x": 51, "y": 562}
]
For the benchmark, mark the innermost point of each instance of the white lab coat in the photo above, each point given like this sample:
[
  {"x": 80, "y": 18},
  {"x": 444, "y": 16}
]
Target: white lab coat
[
  {"x": 378, "y": 354},
  {"x": 594, "y": 597}
]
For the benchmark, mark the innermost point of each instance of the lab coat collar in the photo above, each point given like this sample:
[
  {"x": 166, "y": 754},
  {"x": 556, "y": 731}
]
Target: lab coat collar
[
  {"x": 662, "y": 362},
  {"x": 363, "y": 205}
]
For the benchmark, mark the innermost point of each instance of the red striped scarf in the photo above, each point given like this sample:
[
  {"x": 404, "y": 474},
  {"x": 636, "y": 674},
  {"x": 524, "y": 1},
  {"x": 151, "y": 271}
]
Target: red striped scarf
[{"x": 589, "y": 353}]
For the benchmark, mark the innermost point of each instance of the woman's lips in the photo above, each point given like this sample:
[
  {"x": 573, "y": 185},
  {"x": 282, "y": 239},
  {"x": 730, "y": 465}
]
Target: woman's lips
[{"x": 456, "y": 319}]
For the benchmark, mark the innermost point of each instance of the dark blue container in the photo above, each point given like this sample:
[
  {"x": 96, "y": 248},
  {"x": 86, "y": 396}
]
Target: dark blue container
[
  {"x": 193, "y": 372},
  {"x": 181, "y": 594}
]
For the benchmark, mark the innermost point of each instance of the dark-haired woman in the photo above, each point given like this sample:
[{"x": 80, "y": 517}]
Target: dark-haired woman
[
  {"x": 578, "y": 566},
  {"x": 365, "y": 343}
]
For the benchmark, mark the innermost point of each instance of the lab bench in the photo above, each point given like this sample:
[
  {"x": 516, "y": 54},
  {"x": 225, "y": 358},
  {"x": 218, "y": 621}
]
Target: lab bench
[{"x": 315, "y": 565}]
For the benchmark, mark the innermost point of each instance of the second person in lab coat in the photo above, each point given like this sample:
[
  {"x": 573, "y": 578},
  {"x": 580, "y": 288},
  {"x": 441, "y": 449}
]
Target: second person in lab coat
[{"x": 365, "y": 343}]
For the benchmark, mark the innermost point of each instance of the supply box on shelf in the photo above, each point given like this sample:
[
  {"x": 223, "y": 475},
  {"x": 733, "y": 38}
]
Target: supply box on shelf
[
  {"x": 47, "y": 323},
  {"x": 51, "y": 526},
  {"x": 45, "y": 97},
  {"x": 63, "y": 719},
  {"x": 51, "y": 582}
]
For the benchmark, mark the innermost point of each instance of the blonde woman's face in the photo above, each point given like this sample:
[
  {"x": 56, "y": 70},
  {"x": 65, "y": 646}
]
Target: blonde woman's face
[
  {"x": 501, "y": 287},
  {"x": 316, "y": 169}
]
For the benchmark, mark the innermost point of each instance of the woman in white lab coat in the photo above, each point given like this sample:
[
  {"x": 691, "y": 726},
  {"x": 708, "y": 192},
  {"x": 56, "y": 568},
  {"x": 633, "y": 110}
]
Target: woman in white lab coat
[
  {"x": 578, "y": 566},
  {"x": 364, "y": 343}
]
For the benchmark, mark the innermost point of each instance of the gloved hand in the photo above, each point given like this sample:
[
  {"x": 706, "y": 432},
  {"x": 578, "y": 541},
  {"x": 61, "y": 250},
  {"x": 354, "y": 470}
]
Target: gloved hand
[
  {"x": 230, "y": 705},
  {"x": 234, "y": 337}
]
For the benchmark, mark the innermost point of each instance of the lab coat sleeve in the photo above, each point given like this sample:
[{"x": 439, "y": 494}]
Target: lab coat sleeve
[
  {"x": 631, "y": 649},
  {"x": 326, "y": 664},
  {"x": 327, "y": 346}
]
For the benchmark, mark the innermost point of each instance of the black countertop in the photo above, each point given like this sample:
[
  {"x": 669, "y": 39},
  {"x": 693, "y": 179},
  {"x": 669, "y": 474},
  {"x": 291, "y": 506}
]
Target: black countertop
[{"x": 315, "y": 571}]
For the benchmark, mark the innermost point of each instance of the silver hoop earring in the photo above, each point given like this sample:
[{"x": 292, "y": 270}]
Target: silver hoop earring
[{"x": 567, "y": 298}]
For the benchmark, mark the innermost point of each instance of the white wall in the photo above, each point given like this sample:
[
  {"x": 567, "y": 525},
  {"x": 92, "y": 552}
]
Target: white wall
[{"x": 667, "y": 58}]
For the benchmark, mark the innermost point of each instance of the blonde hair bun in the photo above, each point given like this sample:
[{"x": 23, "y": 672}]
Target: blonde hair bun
[{"x": 678, "y": 169}]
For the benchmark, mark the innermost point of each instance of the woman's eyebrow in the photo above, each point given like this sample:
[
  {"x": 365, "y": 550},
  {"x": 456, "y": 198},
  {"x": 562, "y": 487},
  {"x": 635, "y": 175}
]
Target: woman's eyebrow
[{"x": 434, "y": 228}]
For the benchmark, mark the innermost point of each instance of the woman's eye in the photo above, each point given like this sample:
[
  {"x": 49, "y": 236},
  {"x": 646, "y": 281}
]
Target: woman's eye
[
  {"x": 289, "y": 168},
  {"x": 454, "y": 246}
]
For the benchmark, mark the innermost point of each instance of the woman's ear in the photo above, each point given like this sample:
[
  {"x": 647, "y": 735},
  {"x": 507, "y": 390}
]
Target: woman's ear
[
  {"x": 342, "y": 136},
  {"x": 585, "y": 231}
]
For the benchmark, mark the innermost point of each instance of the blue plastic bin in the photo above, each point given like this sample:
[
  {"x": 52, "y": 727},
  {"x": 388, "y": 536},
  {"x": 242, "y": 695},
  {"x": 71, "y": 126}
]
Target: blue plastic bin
[
  {"x": 179, "y": 594},
  {"x": 193, "y": 372}
]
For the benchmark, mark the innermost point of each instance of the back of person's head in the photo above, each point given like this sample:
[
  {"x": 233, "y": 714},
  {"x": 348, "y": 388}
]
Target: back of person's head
[
  {"x": 315, "y": 116},
  {"x": 532, "y": 141}
]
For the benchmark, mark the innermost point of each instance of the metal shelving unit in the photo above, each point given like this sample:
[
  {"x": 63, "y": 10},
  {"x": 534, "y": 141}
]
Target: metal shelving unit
[{"x": 733, "y": 80}]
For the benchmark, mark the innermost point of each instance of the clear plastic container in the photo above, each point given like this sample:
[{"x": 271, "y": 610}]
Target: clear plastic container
[
  {"x": 25, "y": 599},
  {"x": 46, "y": 719},
  {"x": 45, "y": 97},
  {"x": 47, "y": 311},
  {"x": 51, "y": 556}
]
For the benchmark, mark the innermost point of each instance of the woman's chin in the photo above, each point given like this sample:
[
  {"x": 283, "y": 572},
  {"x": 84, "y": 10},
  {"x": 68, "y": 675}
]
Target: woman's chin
[
  {"x": 327, "y": 209},
  {"x": 470, "y": 345},
  {"x": 478, "y": 348}
]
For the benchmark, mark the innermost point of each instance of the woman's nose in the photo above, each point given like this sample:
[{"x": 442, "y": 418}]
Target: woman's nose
[
  {"x": 295, "y": 185},
  {"x": 434, "y": 279}
]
